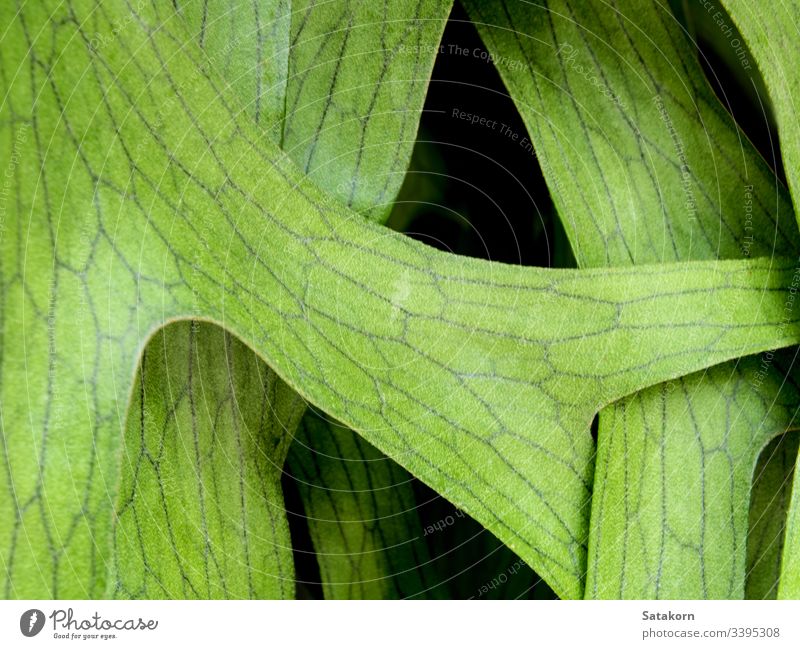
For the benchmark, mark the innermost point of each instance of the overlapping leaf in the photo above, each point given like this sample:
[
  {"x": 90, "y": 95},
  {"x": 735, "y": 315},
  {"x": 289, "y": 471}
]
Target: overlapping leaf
[
  {"x": 248, "y": 43},
  {"x": 789, "y": 586},
  {"x": 772, "y": 37},
  {"x": 772, "y": 489},
  {"x": 645, "y": 165},
  {"x": 200, "y": 510},
  {"x": 357, "y": 80},
  {"x": 362, "y": 515}
]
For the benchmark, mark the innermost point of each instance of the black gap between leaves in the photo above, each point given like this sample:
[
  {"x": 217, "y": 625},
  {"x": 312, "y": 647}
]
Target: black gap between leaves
[
  {"x": 474, "y": 186},
  {"x": 308, "y": 582},
  {"x": 731, "y": 71},
  {"x": 468, "y": 561}
]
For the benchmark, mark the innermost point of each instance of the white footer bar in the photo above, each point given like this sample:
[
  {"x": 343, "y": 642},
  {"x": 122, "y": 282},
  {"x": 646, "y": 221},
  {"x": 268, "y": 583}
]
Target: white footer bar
[{"x": 233, "y": 624}]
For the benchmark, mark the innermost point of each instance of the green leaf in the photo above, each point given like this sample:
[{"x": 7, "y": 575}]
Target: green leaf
[
  {"x": 789, "y": 586},
  {"x": 670, "y": 515},
  {"x": 248, "y": 43},
  {"x": 361, "y": 514},
  {"x": 769, "y": 504},
  {"x": 641, "y": 119},
  {"x": 772, "y": 38},
  {"x": 340, "y": 87},
  {"x": 143, "y": 199},
  {"x": 336, "y": 92},
  {"x": 200, "y": 511},
  {"x": 357, "y": 80},
  {"x": 643, "y": 162}
]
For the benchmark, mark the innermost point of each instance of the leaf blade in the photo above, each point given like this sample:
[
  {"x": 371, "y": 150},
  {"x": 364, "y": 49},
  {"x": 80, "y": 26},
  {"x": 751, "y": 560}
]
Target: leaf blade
[
  {"x": 200, "y": 508},
  {"x": 315, "y": 31},
  {"x": 203, "y": 220},
  {"x": 616, "y": 105}
]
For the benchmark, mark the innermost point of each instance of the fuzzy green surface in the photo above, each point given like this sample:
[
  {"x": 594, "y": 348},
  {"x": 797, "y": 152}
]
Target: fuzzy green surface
[
  {"x": 772, "y": 37},
  {"x": 646, "y": 166},
  {"x": 358, "y": 79},
  {"x": 200, "y": 512},
  {"x": 480, "y": 378}
]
